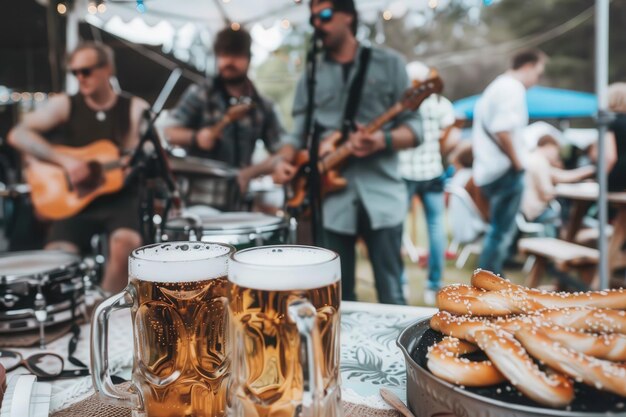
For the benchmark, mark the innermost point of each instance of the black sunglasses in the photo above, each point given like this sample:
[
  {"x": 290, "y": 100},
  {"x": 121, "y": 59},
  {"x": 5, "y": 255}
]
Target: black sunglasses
[
  {"x": 86, "y": 71},
  {"x": 324, "y": 15},
  {"x": 43, "y": 365}
]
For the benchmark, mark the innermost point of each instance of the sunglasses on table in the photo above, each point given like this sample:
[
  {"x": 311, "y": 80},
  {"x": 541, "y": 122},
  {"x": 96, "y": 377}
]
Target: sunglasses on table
[
  {"x": 42, "y": 365},
  {"x": 324, "y": 15},
  {"x": 85, "y": 71}
]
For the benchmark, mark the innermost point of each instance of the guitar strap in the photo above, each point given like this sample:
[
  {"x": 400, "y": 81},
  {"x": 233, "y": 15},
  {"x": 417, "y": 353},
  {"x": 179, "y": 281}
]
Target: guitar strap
[{"x": 356, "y": 90}]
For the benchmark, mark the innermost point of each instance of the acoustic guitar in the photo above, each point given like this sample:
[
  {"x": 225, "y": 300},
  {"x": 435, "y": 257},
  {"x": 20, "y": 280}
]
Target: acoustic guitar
[
  {"x": 53, "y": 195},
  {"x": 329, "y": 164}
]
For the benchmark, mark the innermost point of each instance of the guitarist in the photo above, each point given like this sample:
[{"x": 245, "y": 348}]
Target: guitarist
[
  {"x": 374, "y": 203},
  {"x": 222, "y": 119},
  {"x": 96, "y": 112}
]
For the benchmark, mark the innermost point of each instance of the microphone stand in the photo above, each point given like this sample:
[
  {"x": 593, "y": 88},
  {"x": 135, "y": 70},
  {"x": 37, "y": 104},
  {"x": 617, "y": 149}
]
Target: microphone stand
[
  {"x": 148, "y": 166},
  {"x": 313, "y": 131}
]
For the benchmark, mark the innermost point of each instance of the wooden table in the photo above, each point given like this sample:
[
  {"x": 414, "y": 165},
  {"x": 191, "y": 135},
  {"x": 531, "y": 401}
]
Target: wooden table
[{"x": 583, "y": 195}]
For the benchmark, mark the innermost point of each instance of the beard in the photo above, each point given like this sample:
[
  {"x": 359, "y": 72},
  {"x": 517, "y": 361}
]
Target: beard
[
  {"x": 235, "y": 80},
  {"x": 232, "y": 76}
]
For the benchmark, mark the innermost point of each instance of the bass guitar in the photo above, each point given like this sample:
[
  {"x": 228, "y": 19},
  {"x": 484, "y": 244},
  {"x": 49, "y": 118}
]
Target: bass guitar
[{"x": 329, "y": 165}]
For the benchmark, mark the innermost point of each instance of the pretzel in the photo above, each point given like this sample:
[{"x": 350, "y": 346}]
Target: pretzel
[
  {"x": 463, "y": 299},
  {"x": 600, "y": 320},
  {"x": 598, "y": 373},
  {"x": 444, "y": 362},
  {"x": 602, "y": 346},
  {"x": 489, "y": 281},
  {"x": 508, "y": 355}
]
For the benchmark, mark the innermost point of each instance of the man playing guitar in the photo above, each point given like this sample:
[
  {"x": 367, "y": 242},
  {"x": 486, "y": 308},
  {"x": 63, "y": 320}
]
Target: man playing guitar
[
  {"x": 373, "y": 204},
  {"x": 96, "y": 112},
  {"x": 222, "y": 119}
]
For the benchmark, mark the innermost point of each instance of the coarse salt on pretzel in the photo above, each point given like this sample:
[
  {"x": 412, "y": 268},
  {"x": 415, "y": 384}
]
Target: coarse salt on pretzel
[
  {"x": 508, "y": 355},
  {"x": 602, "y": 346},
  {"x": 600, "y": 320},
  {"x": 463, "y": 299},
  {"x": 603, "y": 299},
  {"x": 601, "y": 374},
  {"x": 444, "y": 362}
]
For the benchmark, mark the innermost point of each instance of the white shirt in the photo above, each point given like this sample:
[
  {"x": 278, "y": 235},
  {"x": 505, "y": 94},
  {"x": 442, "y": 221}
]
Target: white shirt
[
  {"x": 501, "y": 108},
  {"x": 423, "y": 162}
]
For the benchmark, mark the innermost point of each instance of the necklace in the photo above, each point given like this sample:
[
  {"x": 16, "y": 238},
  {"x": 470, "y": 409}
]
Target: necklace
[{"x": 101, "y": 116}]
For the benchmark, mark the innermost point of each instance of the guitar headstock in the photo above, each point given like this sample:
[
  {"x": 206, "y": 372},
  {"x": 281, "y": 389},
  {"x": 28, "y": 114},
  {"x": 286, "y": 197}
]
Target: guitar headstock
[{"x": 419, "y": 91}]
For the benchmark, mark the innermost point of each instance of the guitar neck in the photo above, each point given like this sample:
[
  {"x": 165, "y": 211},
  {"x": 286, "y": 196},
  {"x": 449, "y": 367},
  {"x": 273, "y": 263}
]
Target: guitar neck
[{"x": 343, "y": 151}]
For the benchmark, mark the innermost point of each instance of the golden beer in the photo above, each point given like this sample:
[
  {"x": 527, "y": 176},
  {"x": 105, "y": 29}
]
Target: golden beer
[
  {"x": 178, "y": 296},
  {"x": 270, "y": 372}
]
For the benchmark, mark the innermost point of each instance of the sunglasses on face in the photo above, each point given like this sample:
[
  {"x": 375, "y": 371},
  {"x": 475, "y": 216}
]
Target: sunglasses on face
[
  {"x": 324, "y": 15},
  {"x": 85, "y": 72}
]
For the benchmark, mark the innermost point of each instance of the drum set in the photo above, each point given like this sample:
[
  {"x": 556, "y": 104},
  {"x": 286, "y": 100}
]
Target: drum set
[{"x": 40, "y": 289}]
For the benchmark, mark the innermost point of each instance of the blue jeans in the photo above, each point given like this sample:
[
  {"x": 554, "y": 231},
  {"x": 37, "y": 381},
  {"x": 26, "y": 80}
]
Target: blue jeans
[
  {"x": 505, "y": 197},
  {"x": 431, "y": 194}
]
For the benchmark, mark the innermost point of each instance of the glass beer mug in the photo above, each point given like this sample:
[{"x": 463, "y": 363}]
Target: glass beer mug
[
  {"x": 284, "y": 319},
  {"x": 177, "y": 296}
]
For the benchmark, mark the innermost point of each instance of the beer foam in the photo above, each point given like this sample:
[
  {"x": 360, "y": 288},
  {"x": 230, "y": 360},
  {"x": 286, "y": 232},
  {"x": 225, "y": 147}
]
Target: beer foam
[
  {"x": 179, "y": 261},
  {"x": 278, "y": 268}
]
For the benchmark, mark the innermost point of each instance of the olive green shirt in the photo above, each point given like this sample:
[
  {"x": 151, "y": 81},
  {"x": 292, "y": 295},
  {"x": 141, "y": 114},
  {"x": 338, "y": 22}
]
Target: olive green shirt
[{"x": 373, "y": 181}]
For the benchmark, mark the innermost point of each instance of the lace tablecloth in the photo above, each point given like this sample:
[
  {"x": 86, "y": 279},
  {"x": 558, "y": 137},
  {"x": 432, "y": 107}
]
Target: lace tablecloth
[{"x": 369, "y": 356}]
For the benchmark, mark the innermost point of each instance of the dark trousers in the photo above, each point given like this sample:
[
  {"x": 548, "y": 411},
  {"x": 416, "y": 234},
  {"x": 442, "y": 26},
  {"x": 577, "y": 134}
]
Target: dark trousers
[{"x": 383, "y": 246}]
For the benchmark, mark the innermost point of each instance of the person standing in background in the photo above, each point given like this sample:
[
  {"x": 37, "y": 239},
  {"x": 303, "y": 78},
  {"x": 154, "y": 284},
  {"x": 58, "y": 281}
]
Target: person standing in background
[
  {"x": 499, "y": 151},
  {"x": 422, "y": 170}
]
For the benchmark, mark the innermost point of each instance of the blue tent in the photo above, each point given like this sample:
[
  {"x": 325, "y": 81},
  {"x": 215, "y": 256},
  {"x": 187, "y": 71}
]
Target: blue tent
[{"x": 544, "y": 103}]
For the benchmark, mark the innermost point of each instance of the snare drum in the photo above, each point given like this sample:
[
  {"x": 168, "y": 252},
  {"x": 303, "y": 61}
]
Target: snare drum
[
  {"x": 240, "y": 229},
  {"x": 39, "y": 288},
  {"x": 206, "y": 182}
]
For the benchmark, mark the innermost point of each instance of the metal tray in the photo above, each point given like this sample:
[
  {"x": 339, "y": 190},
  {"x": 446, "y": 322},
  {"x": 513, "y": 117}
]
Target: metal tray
[{"x": 429, "y": 396}]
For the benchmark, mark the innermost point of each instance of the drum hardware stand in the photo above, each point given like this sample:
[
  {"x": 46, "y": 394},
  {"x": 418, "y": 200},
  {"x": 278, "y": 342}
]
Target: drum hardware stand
[
  {"x": 41, "y": 315},
  {"x": 150, "y": 166}
]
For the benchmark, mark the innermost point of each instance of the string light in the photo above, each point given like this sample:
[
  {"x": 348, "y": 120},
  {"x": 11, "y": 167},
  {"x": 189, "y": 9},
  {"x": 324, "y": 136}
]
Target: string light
[
  {"x": 102, "y": 8},
  {"x": 432, "y": 4},
  {"x": 39, "y": 96},
  {"x": 235, "y": 26},
  {"x": 15, "y": 96},
  {"x": 387, "y": 15},
  {"x": 61, "y": 8},
  {"x": 285, "y": 24},
  {"x": 92, "y": 8}
]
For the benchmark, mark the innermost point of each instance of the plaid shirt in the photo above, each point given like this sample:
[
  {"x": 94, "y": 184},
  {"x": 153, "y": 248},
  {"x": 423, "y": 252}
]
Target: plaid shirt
[
  {"x": 423, "y": 163},
  {"x": 204, "y": 106}
]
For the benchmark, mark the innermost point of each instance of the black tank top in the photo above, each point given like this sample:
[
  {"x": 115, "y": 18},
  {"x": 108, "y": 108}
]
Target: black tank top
[{"x": 84, "y": 126}]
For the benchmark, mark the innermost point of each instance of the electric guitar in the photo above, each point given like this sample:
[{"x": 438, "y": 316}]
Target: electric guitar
[
  {"x": 329, "y": 164},
  {"x": 55, "y": 197}
]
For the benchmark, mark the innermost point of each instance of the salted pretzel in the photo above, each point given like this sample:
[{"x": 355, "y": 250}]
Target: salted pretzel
[
  {"x": 489, "y": 281},
  {"x": 508, "y": 355},
  {"x": 444, "y": 362},
  {"x": 608, "y": 346},
  {"x": 599, "y": 320},
  {"x": 463, "y": 299},
  {"x": 604, "y": 375}
]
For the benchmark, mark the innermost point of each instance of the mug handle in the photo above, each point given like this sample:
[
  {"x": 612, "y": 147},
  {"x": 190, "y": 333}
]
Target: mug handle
[
  {"x": 304, "y": 315},
  {"x": 100, "y": 354}
]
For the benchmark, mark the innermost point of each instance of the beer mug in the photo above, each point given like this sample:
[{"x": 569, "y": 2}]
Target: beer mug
[
  {"x": 284, "y": 318},
  {"x": 177, "y": 293}
]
